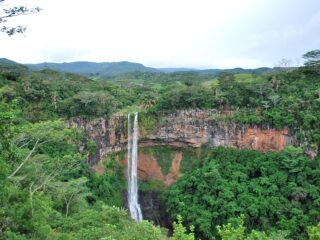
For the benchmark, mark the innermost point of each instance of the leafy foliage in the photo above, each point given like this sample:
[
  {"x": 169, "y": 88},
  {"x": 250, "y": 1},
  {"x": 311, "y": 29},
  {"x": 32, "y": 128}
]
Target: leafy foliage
[
  {"x": 314, "y": 232},
  {"x": 104, "y": 222},
  {"x": 273, "y": 191},
  {"x": 179, "y": 231},
  {"x": 236, "y": 231},
  {"x": 47, "y": 191},
  {"x": 108, "y": 187},
  {"x": 313, "y": 60}
]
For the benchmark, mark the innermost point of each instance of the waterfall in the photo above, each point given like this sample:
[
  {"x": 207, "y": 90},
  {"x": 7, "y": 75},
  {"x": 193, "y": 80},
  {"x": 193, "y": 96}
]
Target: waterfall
[{"x": 133, "y": 204}]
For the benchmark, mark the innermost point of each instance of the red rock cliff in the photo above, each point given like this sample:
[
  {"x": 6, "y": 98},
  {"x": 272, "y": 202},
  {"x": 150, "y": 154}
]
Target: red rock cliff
[
  {"x": 193, "y": 128},
  {"x": 149, "y": 169}
]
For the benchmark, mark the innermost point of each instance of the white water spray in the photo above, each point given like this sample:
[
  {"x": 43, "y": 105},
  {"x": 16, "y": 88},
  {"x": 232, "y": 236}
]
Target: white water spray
[{"x": 134, "y": 207}]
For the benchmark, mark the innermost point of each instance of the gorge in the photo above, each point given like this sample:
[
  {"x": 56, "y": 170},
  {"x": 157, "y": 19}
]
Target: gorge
[
  {"x": 175, "y": 133},
  {"x": 208, "y": 148}
]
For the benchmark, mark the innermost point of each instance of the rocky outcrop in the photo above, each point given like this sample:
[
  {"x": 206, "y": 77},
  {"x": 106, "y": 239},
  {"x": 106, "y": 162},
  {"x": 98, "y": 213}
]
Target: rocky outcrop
[
  {"x": 198, "y": 128},
  {"x": 109, "y": 135},
  {"x": 149, "y": 168},
  {"x": 174, "y": 172},
  {"x": 152, "y": 207},
  {"x": 194, "y": 128}
]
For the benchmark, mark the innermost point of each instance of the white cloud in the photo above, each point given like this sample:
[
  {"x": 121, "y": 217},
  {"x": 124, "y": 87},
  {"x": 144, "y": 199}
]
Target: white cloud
[{"x": 166, "y": 33}]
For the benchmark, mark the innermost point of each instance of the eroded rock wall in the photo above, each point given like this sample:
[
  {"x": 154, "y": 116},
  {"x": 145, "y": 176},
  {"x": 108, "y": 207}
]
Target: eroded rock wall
[
  {"x": 109, "y": 135},
  {"x": 192, "y": 128},
  {"x": 197, "y": 128},
  {"x": 149, "y": 168}
]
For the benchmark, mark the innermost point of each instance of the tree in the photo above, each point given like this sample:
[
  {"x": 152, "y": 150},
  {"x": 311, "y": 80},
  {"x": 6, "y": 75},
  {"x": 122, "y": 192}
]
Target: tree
[
  {"x": 260, "y": 87},
  {"x": 274, "y": 99},
  {"x": 265, "y": 104},
  {"x": 6, "y": 127},
  {"x": 14, "y": 12},
  {"x": 47, "y": 152},
  {"x": 237, "y": 231},
  {"x": 314, "y": 232},
  {"x": 148, "y": 100},
  {"x": 86, "y": 104},
  {"x": 312, "y": 57},
  {"x": 226, "y": 81},
  {"x": 285, "y": 65},
  {"x": 313, "y": 60},
  {"x": 69, "y": 192},
  {"x": 180, "y": 232}
]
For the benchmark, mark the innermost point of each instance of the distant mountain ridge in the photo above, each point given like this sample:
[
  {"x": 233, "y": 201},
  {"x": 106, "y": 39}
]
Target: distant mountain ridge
[
  {"x": 94, "y": 68},
  {"x": 109, "y": 69},
  {"x": 7, "y": 62},
  {"x": 8, "y": 65}
]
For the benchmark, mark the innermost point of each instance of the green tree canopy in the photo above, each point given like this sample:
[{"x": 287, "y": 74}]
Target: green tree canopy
[
  {"x": 313, "y": 60},
  {"x": 273, "y": 191}
]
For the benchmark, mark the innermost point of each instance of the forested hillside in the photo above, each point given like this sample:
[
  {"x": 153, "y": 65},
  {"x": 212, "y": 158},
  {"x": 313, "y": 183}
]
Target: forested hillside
[
  {"x": 111, "y": 69},
  {"x": 284, "y": 98},
  {"x": 48, "y": 190},
  {"x": 94, "y": 69},
  {"x": 276, "y": 192}
]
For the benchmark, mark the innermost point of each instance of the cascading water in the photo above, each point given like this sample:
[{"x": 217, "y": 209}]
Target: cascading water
[{"x": 134, "y": 207}]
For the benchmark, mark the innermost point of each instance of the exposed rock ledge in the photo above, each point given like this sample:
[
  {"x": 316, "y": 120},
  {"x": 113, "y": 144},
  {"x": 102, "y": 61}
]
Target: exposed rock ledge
[
  {"x": 149, "y": 168},
  {"x": 193, "y": 128}
]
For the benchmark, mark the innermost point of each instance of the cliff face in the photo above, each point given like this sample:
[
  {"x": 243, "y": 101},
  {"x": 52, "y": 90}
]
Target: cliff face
[
  {"x": 149, "y": 168},
  {"x": 194, "y": 128},
  {"x": 109, "y": 135},
  {"x": 198, "y": 128}
]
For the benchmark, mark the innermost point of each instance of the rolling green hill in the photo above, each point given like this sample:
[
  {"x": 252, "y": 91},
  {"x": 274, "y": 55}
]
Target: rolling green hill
[
  {"x": 93, "y": 68},
  {"x": 109, "y": 69}
]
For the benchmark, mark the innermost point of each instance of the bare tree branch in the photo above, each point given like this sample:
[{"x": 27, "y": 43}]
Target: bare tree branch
[
  {"x": 14, "y": 12},
  {"x": 25, "y": 160}
]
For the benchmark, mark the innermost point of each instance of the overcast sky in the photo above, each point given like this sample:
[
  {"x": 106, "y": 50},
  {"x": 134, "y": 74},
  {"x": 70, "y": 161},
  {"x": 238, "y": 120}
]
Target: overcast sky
[{"x": 167, "y": 33}]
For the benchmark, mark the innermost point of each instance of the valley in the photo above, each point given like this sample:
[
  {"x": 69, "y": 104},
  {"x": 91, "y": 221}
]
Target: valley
[{"x": 212, "y": 149}]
